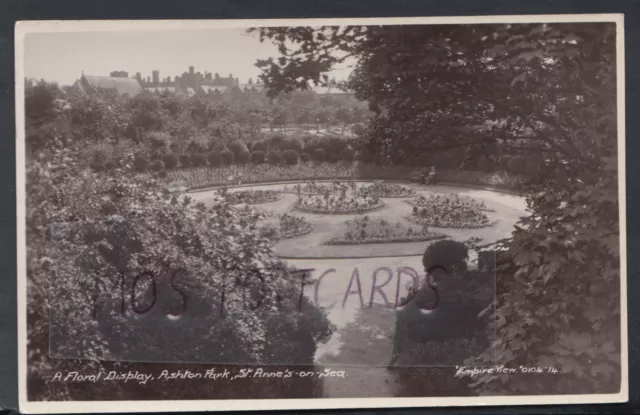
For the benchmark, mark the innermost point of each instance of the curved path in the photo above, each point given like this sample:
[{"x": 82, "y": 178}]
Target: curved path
[{"x": 360, "y": 283}]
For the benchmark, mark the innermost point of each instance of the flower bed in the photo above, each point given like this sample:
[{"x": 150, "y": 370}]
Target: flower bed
[
  {"x": 252, "y": 197},
  {"x": 285, "y": 226},
  {"x": 448, "y": 212},
  {"x": 388, "y": 190},
  {"x": 423, "y": 201},
  {"x": 378, "y": 230},
  {"x": 340, "y": 205}
]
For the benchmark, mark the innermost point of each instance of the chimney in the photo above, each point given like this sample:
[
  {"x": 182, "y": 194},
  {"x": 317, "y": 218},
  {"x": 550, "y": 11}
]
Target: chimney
[
  {"x": 250, "y": 81},
  {"x": 191, "y": 70},
  {"x": 156, "y": 77},
  {"x": 138, "y": 76},
  {"x": 237, "y": 81}
]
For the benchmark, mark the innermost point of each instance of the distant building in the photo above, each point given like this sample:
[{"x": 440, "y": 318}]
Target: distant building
[
  {"x": 189, "y": 84},
  {"x": 123, "y": 85}
]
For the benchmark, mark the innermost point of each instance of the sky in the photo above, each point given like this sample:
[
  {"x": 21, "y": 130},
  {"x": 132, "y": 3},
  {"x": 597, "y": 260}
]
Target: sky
[{"x": 62, "y": 57}]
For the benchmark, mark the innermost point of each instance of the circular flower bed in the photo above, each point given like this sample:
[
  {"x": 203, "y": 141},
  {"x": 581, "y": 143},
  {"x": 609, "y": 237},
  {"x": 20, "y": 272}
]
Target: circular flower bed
[
  {"x": 343, "y": 204},
  {"x": 448, "y": 212},
  {"x": 452, "y": 199},
  {"x": 251, "y": 197},
  {"x": 388, "y": 190},
  {"x": 378, "y": 230}
]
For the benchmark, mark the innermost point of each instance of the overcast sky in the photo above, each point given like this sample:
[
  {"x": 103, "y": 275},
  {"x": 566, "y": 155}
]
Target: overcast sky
[{"x": 61, "y": 57}]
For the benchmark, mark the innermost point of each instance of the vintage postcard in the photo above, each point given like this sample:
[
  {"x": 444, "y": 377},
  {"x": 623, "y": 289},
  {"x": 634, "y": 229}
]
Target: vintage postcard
[{"x": 333, "y": 213}]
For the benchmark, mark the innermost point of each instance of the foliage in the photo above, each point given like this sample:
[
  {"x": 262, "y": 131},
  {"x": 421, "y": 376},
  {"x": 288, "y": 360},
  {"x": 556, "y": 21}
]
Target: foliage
[
  {"x": 274, "y": 158},
  {"x": 227, "y": 156},
  {"x": 198, "y": 159},
  {"x": 258, "y": 156},
  {"x": 319, "y": 155},
  {"x": 214, "y": 159},
  {"x": 141, "y": 163},
  {"x": 304, "y": 157},
  {"x": 290, "y": 157},
  {"x": 157, "y": 165},
  {"x": 170, "y": 161},
  {"x": 451, "y": 255}
]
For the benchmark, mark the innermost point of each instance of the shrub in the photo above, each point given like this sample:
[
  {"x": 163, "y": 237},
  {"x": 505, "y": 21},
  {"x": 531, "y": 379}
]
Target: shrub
[
  {"x": 484, "y": 165},
  {"x": 110, "y": 165},
  {"x": 240, "y": 151},
  {"x": 157, "y": 165},
  {"x": 505, "y": 161},
  {"x": 258, "y": 145},
  {"x": 275, "y": 141},
  {"x": 336, "y": 145},
  {"x": 185, "y": 160},
  {"x": 97, "y": 165},
  {"x": 258, "y": 157},
  {"x": 170, "y": 161},
  {"x": 348, "y": 154},
  {"x": 517, "y": 165},
  {"x": 304, "y": 157},
  {"x": 274, "y": 158},
  {"x": 293, "y": 144},
  {"x": 218, "y": 147},
  {"x": 334, "y": 157},
  {"x": 365, "y": 156},
  {"x": 227, "y": 156},
  {"x": 319, "y": 154},
  {"x": 140, "y": 163},
  {"x": 214, "y": 159},
  {"x": 451, "y": 255},
  {"x": 198, "y": 159},
  {"x": 290, "y": 157}
]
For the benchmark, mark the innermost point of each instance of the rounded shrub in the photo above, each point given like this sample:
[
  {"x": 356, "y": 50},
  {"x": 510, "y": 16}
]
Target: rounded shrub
[
  {"x": 258, "y": 157},
  {"x": 240, "y": 151},
  {"x": 348, "y": 154},
  {"x": 185, "y": 160},
  {"x": 227, "y": 156},
  {"x": 451, "y": 255},
  {"x": 140, "y": 163},
  {"x": 170, "y": 161},
  {"x": 97, "y": 165},
  {"x": 218, "y": 147},
  {"x": 290, "y": 157},
  {"x": 293, "y": 144},
  {"x": 214, "y": 159},
  {"x": 319, "y": 154},
  {"x": 258, "y": 145},
  {"x": 304, "y": 157},
  {"x": 274, "y": 158},
  {"x": 365, "y": 156},
  {"x": 198, "y": 159},
  {"x": 110, "y": 165},
  {"x": 157, "y": 165},
  {"x": 334, "y": 157}
]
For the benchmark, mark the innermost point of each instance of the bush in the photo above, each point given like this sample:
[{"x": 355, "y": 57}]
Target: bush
[
  {"x": 240, "y": 151},
  {"x": 157, "y": 165},
  {"x": 97, "y": 165},
  {"x": 304, "y": 157},
  {"x": 505, "y": 161},
  {"x": 140, "y": 163},
  {"x": 365, "y": 156},
  {"x": 274, "y": 158},
  {"x": 451, "y": 255},
  {"x": 242, "y": 157},
  {"x": 258, "y": 145},
  {"x": 218, "y": 147},
  {"x": 348, "y": 154},
  {"x": 110, "y": 165},
  {"x": 170, "y": 161},
  {"x": 198, "y": 159},
  {"x": 334, "y": 157},
  {"x": 319, "y": 154},
  {"x": 290, "y": 157},
  {"x": 214, "y": 159},
  {"x": 258, "y": 157},
  {"x": 517, "y": 165},
  {"x": 275, "y": 141},
  {"x": 185, "y": 160},
  {"x": 227, "y": 157},
  {"x": 293, "y": 144}
]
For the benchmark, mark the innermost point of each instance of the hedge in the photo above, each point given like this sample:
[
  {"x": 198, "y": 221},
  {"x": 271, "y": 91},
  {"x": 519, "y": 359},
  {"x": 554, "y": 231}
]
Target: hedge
[
  {"x": 258, "y": 157},
  {"x": 290, "y": 157}
]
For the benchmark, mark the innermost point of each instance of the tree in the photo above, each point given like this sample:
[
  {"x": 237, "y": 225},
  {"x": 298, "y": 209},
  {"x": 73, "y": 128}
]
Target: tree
[{"x": 547, "y": 90}]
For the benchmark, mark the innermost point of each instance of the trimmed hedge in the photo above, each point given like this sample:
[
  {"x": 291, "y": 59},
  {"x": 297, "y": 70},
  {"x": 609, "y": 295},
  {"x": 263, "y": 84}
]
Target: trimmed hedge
[
  {"x": 365, "y": 156},
  {"x": 185, "y": 160},
  {"x": 140, "y": 163},
  {"x": 274, "y": 158},
  {"x": 451, "y": 255},
  {"x": 258, "y": 157},
  {"x": 227, "y": 157},
  {"x": 214, "y": 159},
  {"x": 290, "y": 157},
  {"x": 198, "y": 159},
  {"x": 304, "y": 157},
  {"x": 157, "y": 165},
  {"x": 319, "y": 154},
  {"x": 170, "y": 161}
]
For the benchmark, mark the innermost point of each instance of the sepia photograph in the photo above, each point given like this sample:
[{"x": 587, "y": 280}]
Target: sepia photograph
[{"x": 419, "y": 212}]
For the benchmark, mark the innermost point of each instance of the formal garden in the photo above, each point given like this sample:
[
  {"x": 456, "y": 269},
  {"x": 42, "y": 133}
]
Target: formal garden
[{"x": 224, "y": 188}]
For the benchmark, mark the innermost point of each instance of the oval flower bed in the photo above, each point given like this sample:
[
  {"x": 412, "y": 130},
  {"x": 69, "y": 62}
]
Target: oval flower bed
[
  {"x": 251, "y": 197},
  {"x": 449, "y": 199},
  {"x": 388, "y": 190},
  {"x": 285, "y": 226},
  {"x": 450, "y": 215},
  {"x": 378, "y": 230},
  {"x": 339, "y": 205}
]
